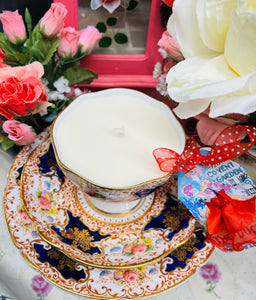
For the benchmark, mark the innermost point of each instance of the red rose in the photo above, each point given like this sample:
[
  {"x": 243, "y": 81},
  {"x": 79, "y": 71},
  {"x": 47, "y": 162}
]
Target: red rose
[{"x": 19, "y": 97}]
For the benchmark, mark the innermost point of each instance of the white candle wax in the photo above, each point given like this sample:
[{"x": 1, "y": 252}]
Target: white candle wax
[{"x": 108, "y": 137}]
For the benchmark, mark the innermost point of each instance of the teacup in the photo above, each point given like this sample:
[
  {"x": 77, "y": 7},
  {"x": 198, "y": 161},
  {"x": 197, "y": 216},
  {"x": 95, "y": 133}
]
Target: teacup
[{"x": 103, "y": 142}]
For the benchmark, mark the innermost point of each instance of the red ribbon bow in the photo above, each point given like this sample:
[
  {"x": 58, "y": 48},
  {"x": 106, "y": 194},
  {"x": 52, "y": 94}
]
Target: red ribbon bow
[
  {"x": 227, "y": 145},
  {"x": 229, "y": 214}
]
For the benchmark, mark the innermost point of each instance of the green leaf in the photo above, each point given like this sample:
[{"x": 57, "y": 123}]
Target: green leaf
[
  {"x": 28, "y": 18},
  {"x": 111, "y": 21},
  {"x": 121, "y": 38},
  {"x": 17, "y": 59},
  {"x": 128, "y": 254},
  {"x": 6, "y": 46},
  {"x": 101, "y": 27},
  {"x": 2, "y": 137},
  {"x": 38, "y": 193},
  {"x": 150, "y": 248},
  {"x": 132, "y": 4},
  {"x": 36, "y": 34},
  {"x": 7, "y": 144},
  {"x": 105, "y": 42},
  {"x": 75, "y": 74},
  {"x": 43, "y": 49}
]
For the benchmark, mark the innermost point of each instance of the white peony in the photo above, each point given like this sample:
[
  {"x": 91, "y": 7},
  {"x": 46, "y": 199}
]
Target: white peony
[{"x": 218, "y": 40}]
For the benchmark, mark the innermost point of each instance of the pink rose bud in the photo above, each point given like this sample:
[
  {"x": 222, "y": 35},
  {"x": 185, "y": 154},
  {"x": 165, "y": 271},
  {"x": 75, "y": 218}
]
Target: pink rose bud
[
  {"x": 68, "y": 45},
  {"x": 13, "y": 26},
  {"x": 20, "y": 133},
  {"x": 90, "y": 36},
  {"x": 169, "y": 45},
  {"x": 53, "y": 20}
]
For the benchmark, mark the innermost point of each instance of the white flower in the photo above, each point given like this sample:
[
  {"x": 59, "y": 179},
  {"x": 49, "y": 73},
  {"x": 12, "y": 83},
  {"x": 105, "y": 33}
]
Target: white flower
[
  {"x": 157, "y": 70},
  {"x": 163, "y": 53},
  {"x": 78, "y": 91},
  {"x": 110, "y": 5},
  {"x": 62, "y": 85},
  {"x": 55, "y": 95},
  {"x": 162, "y": 86},
  {"x": 218, "y": 42}
]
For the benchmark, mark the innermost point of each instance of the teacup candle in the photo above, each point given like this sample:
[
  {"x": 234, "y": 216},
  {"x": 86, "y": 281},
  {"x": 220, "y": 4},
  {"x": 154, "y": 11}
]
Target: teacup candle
[{"x": 103, "y": 142}]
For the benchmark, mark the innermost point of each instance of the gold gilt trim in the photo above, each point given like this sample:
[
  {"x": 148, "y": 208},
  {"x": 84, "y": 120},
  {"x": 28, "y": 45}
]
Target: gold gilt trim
[
  {"x": 126, "y": 267},
  {"x": 251, "y": 155},
  {"x": 116, "y": 223},
  {"x": 44, "y": 238},
  {"x": 128, "y": 212}
]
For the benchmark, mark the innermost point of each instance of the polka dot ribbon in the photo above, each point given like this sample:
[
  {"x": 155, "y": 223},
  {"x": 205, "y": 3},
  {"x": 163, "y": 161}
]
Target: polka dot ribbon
[{"x": 227, "y": 145}]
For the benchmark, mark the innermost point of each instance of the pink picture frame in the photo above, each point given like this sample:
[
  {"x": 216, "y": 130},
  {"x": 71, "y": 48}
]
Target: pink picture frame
[{"x": 123, "y": 70}]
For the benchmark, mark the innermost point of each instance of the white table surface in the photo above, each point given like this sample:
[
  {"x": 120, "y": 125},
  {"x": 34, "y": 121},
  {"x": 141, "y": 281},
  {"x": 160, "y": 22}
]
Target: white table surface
[{"x": 237, "y": 271}]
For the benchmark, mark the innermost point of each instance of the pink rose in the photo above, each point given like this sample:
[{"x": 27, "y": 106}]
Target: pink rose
[
  {"x": 130, "y": 276},
  {"x": 210, "y": 272},
  {"x": 169, "y": 45},
  {"x": 53, "y": 20},
  {"x": 88, "y": 39},
  {"x": 209, "y": 129},
  {"x": 13, "y": 26},
  {"x": 168, "y": 65},
  {"x": 41, "y": 286},
  {"x": 44, "y": 202},
  {"x": 34, "y": 69},
  {"x": 24, "y": 217},
  {"x": 20, "y": 133},
  {"x": 68, "y": 45},
  {"x": 139, "y": 248}
]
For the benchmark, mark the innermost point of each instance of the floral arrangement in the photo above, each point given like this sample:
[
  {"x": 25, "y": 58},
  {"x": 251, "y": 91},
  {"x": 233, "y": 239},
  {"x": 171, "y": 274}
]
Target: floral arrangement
[
  {"x": 210, "y": 70},
  {"x": 38, "y": 70}
]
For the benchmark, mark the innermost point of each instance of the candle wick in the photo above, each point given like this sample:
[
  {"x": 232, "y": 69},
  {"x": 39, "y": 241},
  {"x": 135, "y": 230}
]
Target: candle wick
[{"x": 119, "y": 131}]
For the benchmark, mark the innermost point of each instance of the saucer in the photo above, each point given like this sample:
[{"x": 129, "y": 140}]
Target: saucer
[
  {"x": 91, "y": 282},
  {"x": 64, "y": 219}
]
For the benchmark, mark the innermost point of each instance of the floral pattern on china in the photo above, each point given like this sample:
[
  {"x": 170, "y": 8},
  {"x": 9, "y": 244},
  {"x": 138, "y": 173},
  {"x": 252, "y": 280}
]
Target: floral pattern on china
[
  {"x": 87, "y": 281},
  {"x": 51, "y": 201}
]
